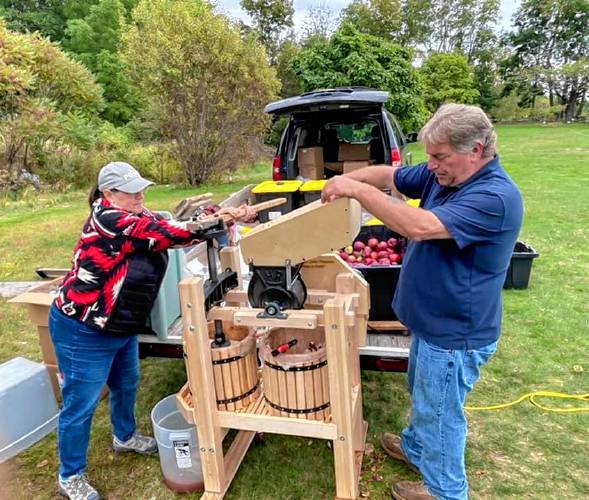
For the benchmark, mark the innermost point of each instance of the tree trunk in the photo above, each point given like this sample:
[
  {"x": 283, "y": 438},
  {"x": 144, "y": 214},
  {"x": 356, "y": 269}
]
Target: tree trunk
[{"x": 581, "y": 105}]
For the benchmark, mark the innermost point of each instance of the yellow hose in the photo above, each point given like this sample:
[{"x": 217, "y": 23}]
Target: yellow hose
[{"x": 531, "y": 397}]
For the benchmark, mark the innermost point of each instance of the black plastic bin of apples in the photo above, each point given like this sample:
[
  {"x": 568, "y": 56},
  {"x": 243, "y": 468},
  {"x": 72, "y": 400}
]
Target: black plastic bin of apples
[{"x": 378, "y": 253}]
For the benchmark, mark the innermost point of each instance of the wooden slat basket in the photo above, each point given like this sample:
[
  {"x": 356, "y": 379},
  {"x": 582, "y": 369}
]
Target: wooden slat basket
[
  {"x": 235, "y": 368},
  {"x": 296, "y": 382}
]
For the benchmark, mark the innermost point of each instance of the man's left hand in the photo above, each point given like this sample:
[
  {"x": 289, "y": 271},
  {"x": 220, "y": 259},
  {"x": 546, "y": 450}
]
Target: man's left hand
[{"x": 340, "y": 186}]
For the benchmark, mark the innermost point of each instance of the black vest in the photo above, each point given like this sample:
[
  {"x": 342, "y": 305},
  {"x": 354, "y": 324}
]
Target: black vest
[{"x": 138, "y": 293}]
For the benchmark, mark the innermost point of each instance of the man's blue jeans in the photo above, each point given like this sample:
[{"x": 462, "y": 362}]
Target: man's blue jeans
[
  {"x": 88, "y": 359},
  {"x": 439, "y": 380}
]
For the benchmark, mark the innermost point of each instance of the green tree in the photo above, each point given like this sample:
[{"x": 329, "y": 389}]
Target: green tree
[
  {"x": 320, "y": 22},
  {"x": 44, "y": 16},
  {"x": 204, "y": 85},
  {"x": 427, "y": 25},
  {"x": 358, "y": 59},
  {"x": 271, "y": 18},
  {"x": 40, "y": 86},
  {"x": 290, "y": 84},
  {"x": 550, "y": 46},
  {"x": 94, "y": 40},
  {"x": 381, "y": 18},
  {"x": 448, "y": 78},
  {"x": 449, "y": 26}
]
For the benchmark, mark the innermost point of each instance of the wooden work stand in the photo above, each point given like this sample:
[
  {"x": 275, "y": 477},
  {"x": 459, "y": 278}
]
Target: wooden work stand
[{"x": 338, "y": 300}]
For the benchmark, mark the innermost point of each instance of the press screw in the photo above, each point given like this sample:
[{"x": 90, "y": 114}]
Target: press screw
[
  {"x": 189, "y": 305},
  {"x": 203, "y": 450},
  {"x": 191, "y": 328},
  {"x": 342, "y": 438}
]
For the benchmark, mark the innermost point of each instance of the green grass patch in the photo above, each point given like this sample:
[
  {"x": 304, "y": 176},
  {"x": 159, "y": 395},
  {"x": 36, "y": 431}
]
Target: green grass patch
[{"x": 517, "y": 453}]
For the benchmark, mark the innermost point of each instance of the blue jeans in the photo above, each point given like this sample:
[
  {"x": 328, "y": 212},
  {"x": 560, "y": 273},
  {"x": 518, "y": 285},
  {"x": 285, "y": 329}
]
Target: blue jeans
[
  {"x": 88, "y": 359},
  {"x": 439, "y": 380}
]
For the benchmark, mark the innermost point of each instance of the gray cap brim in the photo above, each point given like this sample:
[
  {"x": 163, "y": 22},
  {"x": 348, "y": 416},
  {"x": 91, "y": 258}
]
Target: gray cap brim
[{"x": 135, "y": 185}]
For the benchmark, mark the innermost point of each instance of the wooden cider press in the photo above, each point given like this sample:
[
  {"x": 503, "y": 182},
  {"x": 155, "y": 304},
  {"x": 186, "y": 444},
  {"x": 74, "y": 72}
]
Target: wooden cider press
[{"x": 277, "y": 250}]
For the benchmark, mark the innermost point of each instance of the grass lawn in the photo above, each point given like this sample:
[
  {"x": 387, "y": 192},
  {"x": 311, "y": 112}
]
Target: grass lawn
[{"x": 517, "y": 453}]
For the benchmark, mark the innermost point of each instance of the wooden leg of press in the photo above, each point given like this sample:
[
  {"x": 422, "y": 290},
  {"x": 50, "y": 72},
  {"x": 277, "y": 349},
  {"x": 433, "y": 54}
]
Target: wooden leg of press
[
  {"x": 197, "y": 351},
  {"x": 340, "y": 391}
]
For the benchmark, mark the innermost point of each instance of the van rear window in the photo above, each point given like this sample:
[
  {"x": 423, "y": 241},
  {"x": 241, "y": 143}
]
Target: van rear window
[{"x": 355, "y": 133}]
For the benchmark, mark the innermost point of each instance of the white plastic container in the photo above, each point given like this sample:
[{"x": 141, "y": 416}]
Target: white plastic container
[
  {"x": 28, "y": 410},
  {"x": 177, "y": 444}
]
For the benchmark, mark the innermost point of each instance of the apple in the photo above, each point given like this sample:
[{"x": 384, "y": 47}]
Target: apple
[
  {"x": 384, "y": 262},
  {"x": 382, "y": 245},
  {"x": 358, "y": 245},
  {"x": 395, "y": 258},
  {"x": 349, "y": 249},
  {"x": 344, "y": 255},
  {"x": 383, "y": 254},
  {"x": 351, "y": 259},
  {"x": 367, "y": 251},
  {"x": 372, "y": 242},
  {"x": 392, "y": 242},
  {"x": 368, "y": 261}
]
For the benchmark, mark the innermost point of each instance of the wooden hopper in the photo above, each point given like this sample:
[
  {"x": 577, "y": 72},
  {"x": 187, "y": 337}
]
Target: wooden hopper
[{"x": 303, "y": 234}]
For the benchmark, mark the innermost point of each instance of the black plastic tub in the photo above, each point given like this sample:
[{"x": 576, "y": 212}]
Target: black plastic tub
[
  {"x": 382, "y": 279},
  {"x": 520, "y": 267}
]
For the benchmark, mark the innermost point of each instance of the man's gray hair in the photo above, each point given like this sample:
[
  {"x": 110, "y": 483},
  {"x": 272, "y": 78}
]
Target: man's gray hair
[{"x": 461, "y": 126}]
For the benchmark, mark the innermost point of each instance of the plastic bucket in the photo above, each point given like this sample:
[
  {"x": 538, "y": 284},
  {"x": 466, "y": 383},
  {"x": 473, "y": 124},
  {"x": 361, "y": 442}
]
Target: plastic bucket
[{"x": 177, "y": 444}]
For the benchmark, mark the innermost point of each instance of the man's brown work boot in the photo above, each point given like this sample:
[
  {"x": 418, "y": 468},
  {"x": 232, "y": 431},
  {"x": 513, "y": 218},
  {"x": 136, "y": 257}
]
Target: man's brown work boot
[
  {"x": 391, "y": 443},
  {"x": 408, "y": 490}
]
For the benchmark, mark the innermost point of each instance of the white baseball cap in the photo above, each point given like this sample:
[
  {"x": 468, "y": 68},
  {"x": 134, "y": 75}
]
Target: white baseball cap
[{"x": 122, "y": 177}]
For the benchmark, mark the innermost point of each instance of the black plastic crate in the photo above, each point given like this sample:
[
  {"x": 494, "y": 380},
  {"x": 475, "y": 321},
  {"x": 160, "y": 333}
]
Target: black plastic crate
[
  {"x": 382, "y": 279},
  {"x": 270, "y": 190},
  {"x": 520, "y": 267},
  {"x": 310, "y": 197}
]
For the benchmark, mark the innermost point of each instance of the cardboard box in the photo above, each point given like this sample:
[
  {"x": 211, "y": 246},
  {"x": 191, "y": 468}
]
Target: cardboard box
[
  {"x": 38, "y": 300},
  {"x": 350, "y": 166},
  {"x": 353, "y": 152},
  {"x": 55, "y": 377},
  {"x": 336, "y": 166},
  {"x": 47, "y": 349},
  {"x": 310, "y": 161}
]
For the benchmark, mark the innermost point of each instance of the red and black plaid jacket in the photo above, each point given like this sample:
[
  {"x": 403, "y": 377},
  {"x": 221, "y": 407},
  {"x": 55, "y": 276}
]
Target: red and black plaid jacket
[{"x": 101, "y": 258}]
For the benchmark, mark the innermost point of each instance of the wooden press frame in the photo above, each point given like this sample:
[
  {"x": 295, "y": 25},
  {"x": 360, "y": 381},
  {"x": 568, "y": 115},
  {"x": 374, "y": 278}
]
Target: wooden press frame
[{"x": 344, "y": 314}]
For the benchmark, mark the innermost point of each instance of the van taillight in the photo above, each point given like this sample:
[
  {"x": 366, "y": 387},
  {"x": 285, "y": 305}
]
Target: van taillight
[
  {"x": 276, "y": 172},
  {"x": 396, "y": 157}
]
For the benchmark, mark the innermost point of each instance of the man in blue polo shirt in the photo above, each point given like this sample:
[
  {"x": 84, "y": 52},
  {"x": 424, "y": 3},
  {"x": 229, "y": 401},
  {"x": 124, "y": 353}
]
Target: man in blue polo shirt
[{"x": 449, "y": 293}]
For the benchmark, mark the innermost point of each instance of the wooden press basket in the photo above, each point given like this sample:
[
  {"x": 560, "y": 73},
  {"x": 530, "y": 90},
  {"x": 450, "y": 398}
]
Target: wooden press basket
[
  {"x": 296, "y": 383},
  {"x": 235, "y": 368}
]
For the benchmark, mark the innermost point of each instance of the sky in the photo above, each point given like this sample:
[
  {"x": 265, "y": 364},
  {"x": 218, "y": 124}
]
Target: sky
[{"x": 233, "y": 9}]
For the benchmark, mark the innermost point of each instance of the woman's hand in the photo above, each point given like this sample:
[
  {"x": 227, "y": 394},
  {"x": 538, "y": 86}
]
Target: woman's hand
[
  {"x": 244, "y": 213},
  {"x": 229, "y": 214},
  {"x": 249, "y": 213}
]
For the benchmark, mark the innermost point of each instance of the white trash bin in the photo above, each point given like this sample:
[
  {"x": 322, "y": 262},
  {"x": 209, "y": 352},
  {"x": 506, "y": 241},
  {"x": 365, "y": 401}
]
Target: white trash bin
[{"x": 177, "y": 444}]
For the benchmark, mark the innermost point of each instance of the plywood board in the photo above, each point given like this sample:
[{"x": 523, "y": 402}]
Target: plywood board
[{"x": 303, "y": 234}]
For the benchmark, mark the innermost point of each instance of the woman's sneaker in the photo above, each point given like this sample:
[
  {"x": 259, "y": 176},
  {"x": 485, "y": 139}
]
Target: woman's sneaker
[
  {"x": 138, "y": 443},
  {"x": 77, "y": 487}
]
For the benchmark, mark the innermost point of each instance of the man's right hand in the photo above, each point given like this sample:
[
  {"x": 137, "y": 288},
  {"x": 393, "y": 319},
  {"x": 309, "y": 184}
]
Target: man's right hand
[{"x": 340, "y": 186}]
